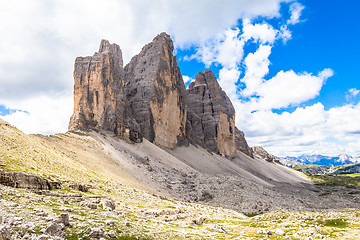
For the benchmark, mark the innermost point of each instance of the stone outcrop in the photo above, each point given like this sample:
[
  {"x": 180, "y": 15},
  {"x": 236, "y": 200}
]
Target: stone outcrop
[
  {"x": 25, "y": 180},
  {"x": 241, "y": 143},
  {"x": 261, "y": 153},
  {"x": 211, "y": 115},
  {"x": 99, "y": 99},
  {"x": 148, "y": 99},
  {"x": 156, "y": 92}
]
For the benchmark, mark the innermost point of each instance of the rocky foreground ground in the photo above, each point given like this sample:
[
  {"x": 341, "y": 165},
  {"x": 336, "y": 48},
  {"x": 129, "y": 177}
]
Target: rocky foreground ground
[{"x": 133, "y": 214}]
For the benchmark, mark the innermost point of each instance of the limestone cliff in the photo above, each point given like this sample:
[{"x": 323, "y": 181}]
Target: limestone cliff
[
  {"x": 148, "y": 99},
  {"x": 241, "y": 143},
  {"x": 211, "y": 115},
  {"x": 156, "y": 92},
  {"x": 99, "y": 99},
  {"x": 261, "y": 153}
]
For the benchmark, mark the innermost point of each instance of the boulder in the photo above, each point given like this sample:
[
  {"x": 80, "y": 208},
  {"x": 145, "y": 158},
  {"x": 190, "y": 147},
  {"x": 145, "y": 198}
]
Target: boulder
[
  {"x": 211, "y": 115},
  {"x": 107, "y": 204},
  {"x": 63, "y": 218},
  {"x": 95, "y": 233},
  {"x": 157, "y": 94},
  {"x": 55, "y": 230},
  {"x": 5, "y": 232},
  {"x": 99, "y": 99}
]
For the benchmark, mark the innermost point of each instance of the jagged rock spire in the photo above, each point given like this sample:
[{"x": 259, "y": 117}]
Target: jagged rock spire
[
  {"x": 99, "y": 99},
  {"x": 148, "y": 99},
  {"x": 156, "y": 92}
]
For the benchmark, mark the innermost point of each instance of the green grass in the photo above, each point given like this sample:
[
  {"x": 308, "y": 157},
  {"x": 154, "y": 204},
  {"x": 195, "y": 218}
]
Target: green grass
[
  {"x": 309, "y": 166},
  {"x": 336, "y": 180},
  {"x": 338, "y": 223}
]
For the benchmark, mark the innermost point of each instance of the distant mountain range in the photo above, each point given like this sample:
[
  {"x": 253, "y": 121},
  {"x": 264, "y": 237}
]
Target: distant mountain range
[{"x": 329, "y": 161}]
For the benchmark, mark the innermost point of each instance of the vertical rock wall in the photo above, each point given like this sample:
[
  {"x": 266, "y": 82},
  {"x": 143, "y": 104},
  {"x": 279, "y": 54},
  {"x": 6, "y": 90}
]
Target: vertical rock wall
[
  {"x": 156, "y": 92},
  {"x": 99, "y": 99},
  {"x": 148, "y": 99},
  {"x": 211, "y": 115}
]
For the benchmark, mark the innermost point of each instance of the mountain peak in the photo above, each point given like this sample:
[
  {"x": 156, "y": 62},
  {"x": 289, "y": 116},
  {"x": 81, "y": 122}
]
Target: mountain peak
[{"x": 105, "y": 47}]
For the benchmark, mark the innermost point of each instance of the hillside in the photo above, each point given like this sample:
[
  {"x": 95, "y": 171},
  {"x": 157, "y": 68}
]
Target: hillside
[
  {"x": 112, "y": 167},
  {"x": 146, "y": 158},
  {"x": 321, "y": 169}
]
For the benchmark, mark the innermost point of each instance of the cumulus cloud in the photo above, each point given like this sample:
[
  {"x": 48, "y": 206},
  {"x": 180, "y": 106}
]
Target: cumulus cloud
[
  {"x": 227, "y": 81},
  {"x": 310, "y": 130},
  {"x": 227, "y": 49},
  {"x": 352, "y": 93},
  {"x": 41, "y": 114},
  {"x": 41, "y": 38},
  {"x": 295, "y": 10},
  {"x": 284, "y": 33},
  {"x": 289, "y": 88},
  {"x": 187, "y": 80},
  {"x": 256, "y": 67},
  {"x": 264, "y": 33},
  {"x": 303, "y": 130}
]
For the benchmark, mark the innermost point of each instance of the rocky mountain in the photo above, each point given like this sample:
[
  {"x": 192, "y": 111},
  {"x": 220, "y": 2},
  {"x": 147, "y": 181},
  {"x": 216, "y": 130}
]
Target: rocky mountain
[
  {"x": 156, "y": 92},
  {"x": 211, "y": 115},
  {"x": 260, "y": 152},
  {"x": 147, "y": 159},
  {"x": 329, "y": 161},
  {"x": 99, "y": 94},
  {"x": 147, "y": 98}
]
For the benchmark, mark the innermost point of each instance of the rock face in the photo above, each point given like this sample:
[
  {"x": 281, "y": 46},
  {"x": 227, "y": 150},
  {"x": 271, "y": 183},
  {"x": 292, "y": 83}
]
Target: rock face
[
  {"x": 148, "y": 99},
  {"x": 211, "y": 115},
  {"x": 241, "y": 143},
  {"x": 29, "y": 181},
  {"x": 263, "y": 154},
  {"x": 156, "y": 92},
  {"x": 99, "y": 99}
]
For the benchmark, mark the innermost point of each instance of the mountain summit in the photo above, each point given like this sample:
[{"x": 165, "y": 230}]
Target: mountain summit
[{"x": 147, "y": 99}]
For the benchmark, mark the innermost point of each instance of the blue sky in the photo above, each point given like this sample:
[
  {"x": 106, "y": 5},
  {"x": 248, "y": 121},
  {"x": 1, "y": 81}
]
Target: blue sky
[
  {"x": 290, "y": 67},
  {"x": 326, "y": 37}
]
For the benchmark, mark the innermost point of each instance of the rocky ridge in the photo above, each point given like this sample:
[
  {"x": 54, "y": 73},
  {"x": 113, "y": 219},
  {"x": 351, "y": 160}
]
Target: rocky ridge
[
  {"x": 260, "y": 152},
  {"x": 148, "y": 99}
]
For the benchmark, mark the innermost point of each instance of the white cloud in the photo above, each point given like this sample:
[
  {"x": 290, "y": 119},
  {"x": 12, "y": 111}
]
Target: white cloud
[
  {"x": 352, "y": 92},
  {"x": 226, "y": 49},
  {"x": 41, "y": 38},
  {"x": 289, "y": 88},
  {"x": 295, "y": 10},
  {"x": 264, "y": 33},
  {"x": 284, "y": 33},
  {"x": 187, "y": 79},
  {"x": 310, "y": 130},
  {"x": 256, "y": 67},
  {"x": 41, "y": 114},
  {"x": 227, "y": 81}
]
